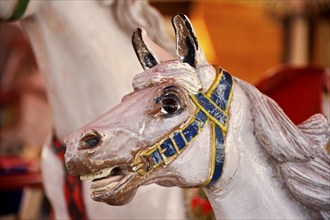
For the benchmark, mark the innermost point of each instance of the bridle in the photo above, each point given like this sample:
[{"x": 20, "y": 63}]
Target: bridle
[{"x": 212, "y": 106}]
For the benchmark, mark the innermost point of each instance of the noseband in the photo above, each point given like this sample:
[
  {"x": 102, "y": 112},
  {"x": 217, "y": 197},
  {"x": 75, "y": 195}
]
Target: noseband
[{"x": 211, "y": 106}]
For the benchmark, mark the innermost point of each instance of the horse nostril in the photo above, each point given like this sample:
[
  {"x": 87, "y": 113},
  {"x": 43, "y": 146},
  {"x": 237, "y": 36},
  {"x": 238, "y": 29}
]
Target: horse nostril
[{"x": 90, "y": 140}]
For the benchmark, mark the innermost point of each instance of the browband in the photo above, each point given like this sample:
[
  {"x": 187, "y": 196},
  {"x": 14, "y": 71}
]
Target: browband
[{"x": 212, "y": 106}]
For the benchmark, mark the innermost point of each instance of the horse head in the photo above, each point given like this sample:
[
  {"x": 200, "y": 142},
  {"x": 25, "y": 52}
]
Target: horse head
[
  {"x": 172, "y": 131},
  {"x": 143, "y": 140}
]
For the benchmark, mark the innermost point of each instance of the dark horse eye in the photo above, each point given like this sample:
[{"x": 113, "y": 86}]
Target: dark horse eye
[
  {"x": 170, "y": 104},
  {"x": 90, "y": 140}
]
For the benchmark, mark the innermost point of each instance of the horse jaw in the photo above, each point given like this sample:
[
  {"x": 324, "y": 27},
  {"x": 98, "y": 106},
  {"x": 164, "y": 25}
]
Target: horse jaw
[{"x": 120, "y": 196}]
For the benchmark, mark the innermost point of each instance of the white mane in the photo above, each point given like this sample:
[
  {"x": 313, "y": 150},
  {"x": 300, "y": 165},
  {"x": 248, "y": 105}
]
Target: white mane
[
  {"x": 181, "y": 73},
  {"x": 132, "y": 14},
  {"x": 298, "y": 151}
]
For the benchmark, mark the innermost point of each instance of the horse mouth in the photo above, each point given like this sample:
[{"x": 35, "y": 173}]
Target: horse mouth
[{"x": 108, "y": 180}]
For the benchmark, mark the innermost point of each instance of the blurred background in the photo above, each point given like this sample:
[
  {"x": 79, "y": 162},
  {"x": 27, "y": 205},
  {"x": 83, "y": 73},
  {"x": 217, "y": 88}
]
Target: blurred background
[
  {"x": 282, "y": 47},
  {"x": 249, "y": 37}
]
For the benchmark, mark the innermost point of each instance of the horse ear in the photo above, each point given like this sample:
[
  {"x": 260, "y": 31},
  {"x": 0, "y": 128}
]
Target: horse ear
[
  {"x": 188, "y": 49},
  {"x": 149, "y": 53},
  {"x": 142, "y": 51}
]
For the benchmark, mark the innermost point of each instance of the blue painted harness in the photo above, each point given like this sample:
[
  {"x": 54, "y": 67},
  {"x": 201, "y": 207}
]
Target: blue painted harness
[{"x": 212, "y": 106}]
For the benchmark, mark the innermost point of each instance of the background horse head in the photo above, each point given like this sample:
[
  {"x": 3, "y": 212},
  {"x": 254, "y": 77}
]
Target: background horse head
[
  {"x": 190, "y": 124},
  {"x": 75, "y": 52},
  {"x": 82, "y": 49}
]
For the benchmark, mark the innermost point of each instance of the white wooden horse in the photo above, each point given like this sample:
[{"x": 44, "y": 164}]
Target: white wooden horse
[
  {"x": 84, "y": 53},
  {"x": 190, "y": 124}
]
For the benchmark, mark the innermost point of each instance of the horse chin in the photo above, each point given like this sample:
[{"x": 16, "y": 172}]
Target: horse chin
[
  {"x": 121, "y": 198},
  {"x": 116, "y": 194}
]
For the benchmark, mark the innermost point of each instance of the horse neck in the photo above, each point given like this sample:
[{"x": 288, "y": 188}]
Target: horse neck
[
  {"x": 250, "y": 187},
  {"x": 87, "y": 61}
]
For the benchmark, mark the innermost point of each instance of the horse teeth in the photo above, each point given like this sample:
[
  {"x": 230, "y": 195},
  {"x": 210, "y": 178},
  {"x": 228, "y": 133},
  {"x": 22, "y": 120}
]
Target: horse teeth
[{"x": 97, "y": 175}]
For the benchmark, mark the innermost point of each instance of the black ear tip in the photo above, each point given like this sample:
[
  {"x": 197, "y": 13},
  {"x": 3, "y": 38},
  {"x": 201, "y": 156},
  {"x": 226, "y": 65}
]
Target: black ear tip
[
  {"x": 177, "y": 17},
  {"x": 139, "y": 30},
  {"x": 137, "y": 33},
  {"x": 182, "y": 16}
]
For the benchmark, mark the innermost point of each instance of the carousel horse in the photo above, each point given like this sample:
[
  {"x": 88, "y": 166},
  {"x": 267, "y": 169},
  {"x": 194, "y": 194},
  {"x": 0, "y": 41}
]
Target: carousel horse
[
  {"x": 82, "y": 48},
  {"x": 188, "y": 123}
]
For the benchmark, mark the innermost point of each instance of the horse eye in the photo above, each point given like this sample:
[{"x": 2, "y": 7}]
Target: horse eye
[{"x": 170, "y": 105}]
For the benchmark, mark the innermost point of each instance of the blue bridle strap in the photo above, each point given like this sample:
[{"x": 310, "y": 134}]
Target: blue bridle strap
[
  {"x": 212, "y": 106},
  {"x": 215, "y": 104}
]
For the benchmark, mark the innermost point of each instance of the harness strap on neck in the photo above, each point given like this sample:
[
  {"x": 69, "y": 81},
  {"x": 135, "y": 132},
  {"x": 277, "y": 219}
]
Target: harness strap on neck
[
  {"x": 212, "y": 106},
  {"x": 215, "y": 104}
]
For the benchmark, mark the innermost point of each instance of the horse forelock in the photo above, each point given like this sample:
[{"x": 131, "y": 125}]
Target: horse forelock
[
  {"x": 181, "y": 73},
  {"x": 298, "y": 151}
]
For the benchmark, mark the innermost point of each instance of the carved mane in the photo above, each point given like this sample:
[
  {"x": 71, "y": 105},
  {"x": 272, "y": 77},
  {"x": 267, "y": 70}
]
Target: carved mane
[{"x": 298, "y": 151}]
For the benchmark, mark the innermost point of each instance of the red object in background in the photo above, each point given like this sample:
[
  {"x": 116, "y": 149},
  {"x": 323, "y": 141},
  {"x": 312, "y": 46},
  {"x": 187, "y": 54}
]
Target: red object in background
[
  {"x": 297, "y": 90},
  {"x": 72, "y": 186},
  {"x": 201, "y": 203},
  {"x": 17, "y": 173}
]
